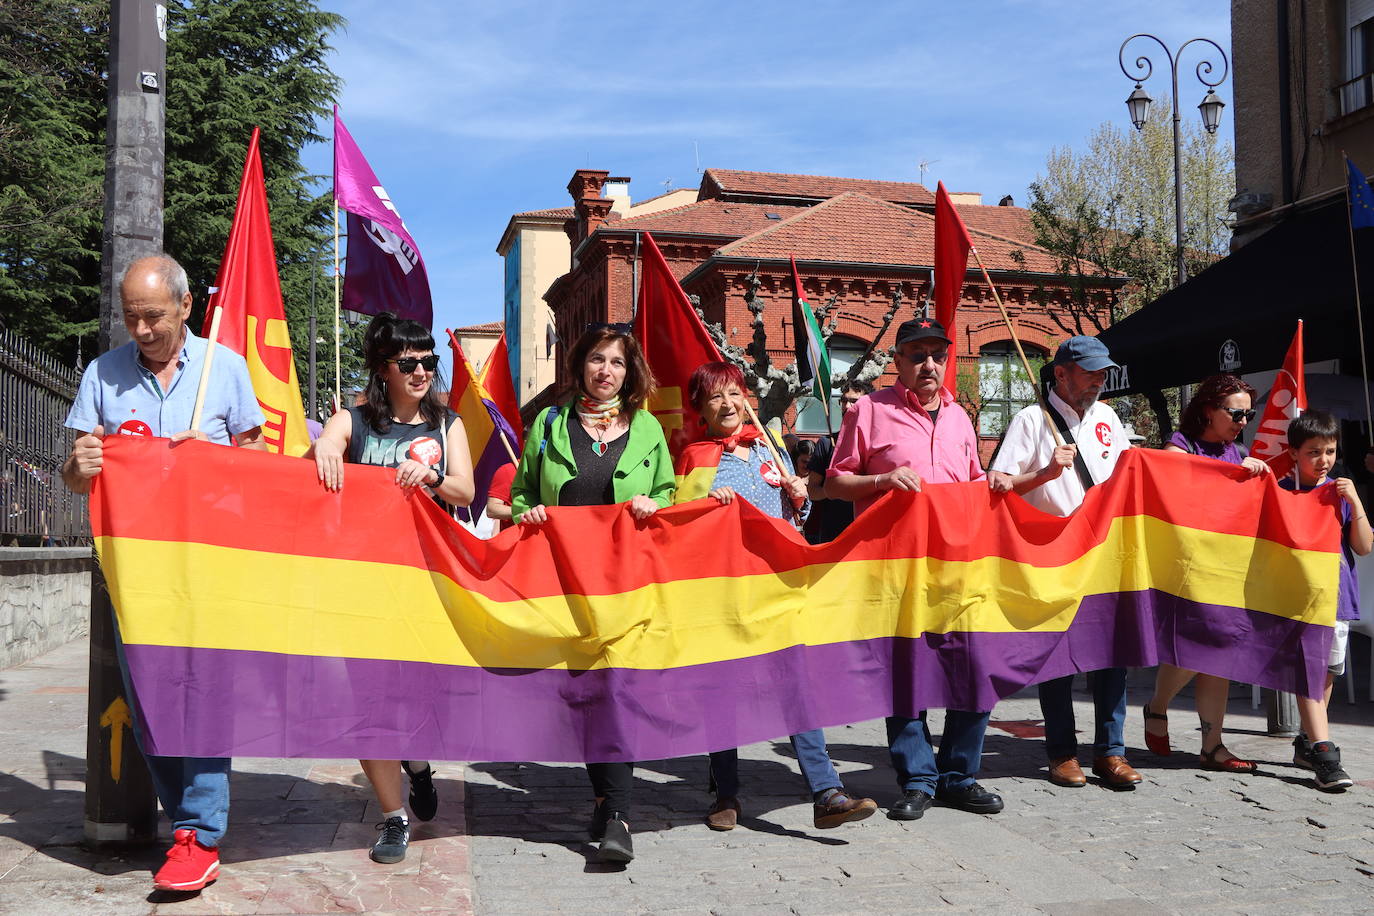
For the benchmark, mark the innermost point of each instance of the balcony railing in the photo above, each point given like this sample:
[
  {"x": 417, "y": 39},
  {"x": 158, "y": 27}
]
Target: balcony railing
[{"x": 1355, "y": 94}]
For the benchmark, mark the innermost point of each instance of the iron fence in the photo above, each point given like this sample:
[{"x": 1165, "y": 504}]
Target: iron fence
[{"x": 36, "y": 391}]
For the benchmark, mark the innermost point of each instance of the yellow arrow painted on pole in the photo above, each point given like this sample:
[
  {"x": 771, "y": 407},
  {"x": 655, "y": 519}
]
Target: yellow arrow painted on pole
[{"x": 116, "y": 718}]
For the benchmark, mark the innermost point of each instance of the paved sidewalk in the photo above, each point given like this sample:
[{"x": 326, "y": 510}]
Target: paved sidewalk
[{"x": 1185, "y": 841}]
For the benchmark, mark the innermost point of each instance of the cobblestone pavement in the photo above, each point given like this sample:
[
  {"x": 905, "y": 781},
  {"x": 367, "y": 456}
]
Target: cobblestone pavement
[{"x": 1186, "y": 840}]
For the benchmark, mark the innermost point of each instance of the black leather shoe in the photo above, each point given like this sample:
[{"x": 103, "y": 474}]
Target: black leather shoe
[
  {"x": 616, "y": 846},
  {"x": 910, "y": 806},
  {"x": 972, "y": 798}
]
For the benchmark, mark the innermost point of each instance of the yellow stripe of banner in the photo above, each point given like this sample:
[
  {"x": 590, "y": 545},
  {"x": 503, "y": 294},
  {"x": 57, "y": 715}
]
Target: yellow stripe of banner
[{"x": 299, "y": 605}]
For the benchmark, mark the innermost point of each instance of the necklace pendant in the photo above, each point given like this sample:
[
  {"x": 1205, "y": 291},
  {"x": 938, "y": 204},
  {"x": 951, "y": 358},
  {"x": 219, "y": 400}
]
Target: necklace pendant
[{"x": 599, "y": 447}]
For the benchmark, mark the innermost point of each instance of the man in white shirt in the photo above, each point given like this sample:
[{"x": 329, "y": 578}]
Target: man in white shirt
[{"x": 1054, "y": 479}]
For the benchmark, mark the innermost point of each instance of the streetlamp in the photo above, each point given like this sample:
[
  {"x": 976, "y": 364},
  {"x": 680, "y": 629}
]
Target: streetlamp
[{"x": 1138, "y": 104}]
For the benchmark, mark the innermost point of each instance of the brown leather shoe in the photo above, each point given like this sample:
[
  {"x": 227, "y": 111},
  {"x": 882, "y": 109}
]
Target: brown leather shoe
[
  {"x": 1065, "y": 771},
  {"x": 724, "y": 814},
  {"x": 1116, "y": 772},
  {"x": 837, "y": 808}
]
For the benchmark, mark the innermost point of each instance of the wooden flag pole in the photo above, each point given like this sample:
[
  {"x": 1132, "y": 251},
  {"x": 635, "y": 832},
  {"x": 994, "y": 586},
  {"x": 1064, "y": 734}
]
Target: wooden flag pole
[
  {"x": 205, "y": 369},
  {"x": 1359, "y": 310},
  {"x": 767, "y": 438},
  {"x": 509, "y": 450},
  {"x": 338, "y": 347},
  {"x": 1016, "y": 341}
]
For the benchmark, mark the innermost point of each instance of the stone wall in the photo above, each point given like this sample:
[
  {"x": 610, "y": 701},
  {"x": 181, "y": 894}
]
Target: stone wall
[{"x": 45, "y": 597}]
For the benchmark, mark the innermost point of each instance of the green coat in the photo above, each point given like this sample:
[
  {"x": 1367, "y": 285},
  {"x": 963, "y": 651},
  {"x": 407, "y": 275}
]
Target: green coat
[{"x": 645, "y": 467}]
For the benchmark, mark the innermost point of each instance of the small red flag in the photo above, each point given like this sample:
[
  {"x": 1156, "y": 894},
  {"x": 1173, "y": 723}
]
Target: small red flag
[
  {"x": 952, "y": 245},
  {"x": 254, "y": 321},
  {"x": 1287, "y": 399},
  {"x": 675, "y": 343},
  {"x": 500, "y": 385}
]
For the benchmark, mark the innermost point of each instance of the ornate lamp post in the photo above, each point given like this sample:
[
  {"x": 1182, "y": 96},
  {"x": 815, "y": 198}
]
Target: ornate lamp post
[{"x": 1138, "y": 104}]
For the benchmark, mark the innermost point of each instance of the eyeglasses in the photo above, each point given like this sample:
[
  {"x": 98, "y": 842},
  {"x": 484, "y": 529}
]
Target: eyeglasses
[
  {"x": 619, "y": 327},
  {"x": 407, "y": 364},
  {"x": 1239, "y": 416},
  {"x": 919, "y": 358}
]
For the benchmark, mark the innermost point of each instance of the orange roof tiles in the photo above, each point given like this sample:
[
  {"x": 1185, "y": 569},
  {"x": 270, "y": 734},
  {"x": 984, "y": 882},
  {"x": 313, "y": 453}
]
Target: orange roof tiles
[
  {"x": 709, "y": 217},
  {"x": 817, "y": 187},
  {"x": 554, "y": 213},
  {"x": 491, "y": 327},
  {"x": 856, "y": 228}
]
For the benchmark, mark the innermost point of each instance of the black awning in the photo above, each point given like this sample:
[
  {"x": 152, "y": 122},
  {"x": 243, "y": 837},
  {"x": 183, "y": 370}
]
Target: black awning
[{"x": 1239, "y": 314}]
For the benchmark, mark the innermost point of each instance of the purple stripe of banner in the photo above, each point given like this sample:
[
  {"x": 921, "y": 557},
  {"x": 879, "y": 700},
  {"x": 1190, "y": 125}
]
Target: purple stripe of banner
[{"x": 213, "y": 703}]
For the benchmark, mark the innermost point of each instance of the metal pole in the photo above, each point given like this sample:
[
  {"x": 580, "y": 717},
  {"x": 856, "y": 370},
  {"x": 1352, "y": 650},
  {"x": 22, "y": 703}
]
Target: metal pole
[
  {"x": 1178, "y": 180},
  {"x": 313, "y": 410},
  {"x": 120, "y": 804}
]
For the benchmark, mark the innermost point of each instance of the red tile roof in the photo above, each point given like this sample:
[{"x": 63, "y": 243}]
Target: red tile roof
[
  {"x": 859, "y": 229},
  {"x": 555, "y": 213},
  {"x": 491, "y": 327},
  {"x": 708, "y": 217},
  {"x": 815, "y": 187}
]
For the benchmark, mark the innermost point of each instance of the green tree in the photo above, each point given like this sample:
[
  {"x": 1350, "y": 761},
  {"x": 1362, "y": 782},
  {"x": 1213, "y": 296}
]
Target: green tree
[{"x": 1109, "y": 212}]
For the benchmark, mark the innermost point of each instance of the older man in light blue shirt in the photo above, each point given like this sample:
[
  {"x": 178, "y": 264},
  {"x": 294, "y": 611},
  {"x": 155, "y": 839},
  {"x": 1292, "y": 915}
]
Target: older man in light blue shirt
[{"x": 148, "y": 388}]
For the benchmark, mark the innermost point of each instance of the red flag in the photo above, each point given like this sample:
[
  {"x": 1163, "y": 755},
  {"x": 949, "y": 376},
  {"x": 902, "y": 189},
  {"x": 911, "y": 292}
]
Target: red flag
[
  {"x": 254, "y": 321},
  {"x": 675, "y": 343},
  {"x": 952, "y": 244},
  {"x": 1287, "y": 399},
  {"x": 500, "y": 386}
]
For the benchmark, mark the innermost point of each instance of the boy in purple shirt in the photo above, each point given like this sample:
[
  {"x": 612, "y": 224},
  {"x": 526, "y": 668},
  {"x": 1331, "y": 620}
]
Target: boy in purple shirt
[{"x": 1312, "y": 443}]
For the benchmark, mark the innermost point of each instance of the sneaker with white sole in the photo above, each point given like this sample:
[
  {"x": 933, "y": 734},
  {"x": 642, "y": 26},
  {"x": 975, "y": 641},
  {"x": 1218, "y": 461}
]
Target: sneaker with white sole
[
  {"x": 189, "y": 866},
  {"x": 390, "y": 847},
  {"x": 1326, "y": 767}
]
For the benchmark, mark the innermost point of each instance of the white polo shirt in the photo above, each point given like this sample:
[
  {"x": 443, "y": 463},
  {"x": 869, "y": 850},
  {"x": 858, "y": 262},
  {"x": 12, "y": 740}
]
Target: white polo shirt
[{"x": 1028, "y": 446}]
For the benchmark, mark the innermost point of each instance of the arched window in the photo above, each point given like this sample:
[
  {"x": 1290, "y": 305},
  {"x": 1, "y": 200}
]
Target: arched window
[
  {"x": 844, "y": 352},
  {"x": 1003, "y": 388}
]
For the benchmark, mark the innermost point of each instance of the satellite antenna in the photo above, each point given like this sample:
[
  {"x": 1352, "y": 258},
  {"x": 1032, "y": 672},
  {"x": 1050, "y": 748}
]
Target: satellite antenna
[
  {"x": 667, "y": 185},
  {"x": 924, "y": 165}
]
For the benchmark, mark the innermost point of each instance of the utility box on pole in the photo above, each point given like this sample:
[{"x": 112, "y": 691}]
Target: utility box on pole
[{"x": 120, "y": 804}]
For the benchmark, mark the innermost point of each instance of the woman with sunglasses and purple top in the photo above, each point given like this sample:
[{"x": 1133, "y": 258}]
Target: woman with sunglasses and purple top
[
  {"x": 1210, "y": 426},
  {"x": 402, "y": 424}
]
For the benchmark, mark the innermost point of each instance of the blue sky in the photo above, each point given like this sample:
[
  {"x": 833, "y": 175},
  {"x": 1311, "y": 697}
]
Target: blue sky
[{"x": 470, "y": 112}]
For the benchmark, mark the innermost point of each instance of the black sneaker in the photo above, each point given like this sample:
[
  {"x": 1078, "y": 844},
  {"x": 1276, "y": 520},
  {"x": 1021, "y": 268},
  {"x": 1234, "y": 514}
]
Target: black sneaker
[
  {"x": 1302, "y": 752},
  {"x": 390, "y": 847},
  {"x": 424, "y": 798},
  {"x": 616, "y": 846},
  {"x": 1326, "y": 767}
]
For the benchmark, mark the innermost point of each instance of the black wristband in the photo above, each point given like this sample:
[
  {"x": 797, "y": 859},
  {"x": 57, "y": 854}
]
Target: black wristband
[{"x": 438, "y": 476}]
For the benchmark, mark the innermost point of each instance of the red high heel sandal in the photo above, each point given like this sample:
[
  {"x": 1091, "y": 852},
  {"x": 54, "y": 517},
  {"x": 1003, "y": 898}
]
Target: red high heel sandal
[{"x": 1158, "y": 744}]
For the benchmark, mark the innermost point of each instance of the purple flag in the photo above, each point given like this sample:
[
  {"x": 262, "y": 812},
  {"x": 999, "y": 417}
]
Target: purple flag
[{"x": 384, "y": 271}]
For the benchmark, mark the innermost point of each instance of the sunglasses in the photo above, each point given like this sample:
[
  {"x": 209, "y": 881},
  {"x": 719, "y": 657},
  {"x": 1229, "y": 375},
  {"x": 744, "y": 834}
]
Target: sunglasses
[
  {"x": 920, "y": 358},
  {"x": 407, "y": 364},
  {"x": 619, "y": 327},
  {"x": 1238, "y": 415}
]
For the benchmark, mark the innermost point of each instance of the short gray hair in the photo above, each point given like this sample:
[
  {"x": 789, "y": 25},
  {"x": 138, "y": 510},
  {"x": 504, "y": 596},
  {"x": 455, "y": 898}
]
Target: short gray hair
[{"x": 168, "y": 270}]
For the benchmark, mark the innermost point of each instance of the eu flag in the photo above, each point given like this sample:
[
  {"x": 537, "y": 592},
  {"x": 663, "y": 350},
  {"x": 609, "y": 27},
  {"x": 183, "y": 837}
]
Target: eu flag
[{"x": 1361, "y": 198}]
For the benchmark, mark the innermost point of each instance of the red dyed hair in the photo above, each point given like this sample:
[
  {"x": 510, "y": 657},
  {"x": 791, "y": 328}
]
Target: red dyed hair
[{"x": 710, "y": 378}]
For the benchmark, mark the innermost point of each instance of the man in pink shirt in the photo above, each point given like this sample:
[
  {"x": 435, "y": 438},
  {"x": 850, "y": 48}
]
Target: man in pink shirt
[{"x": 895, "y": 439}]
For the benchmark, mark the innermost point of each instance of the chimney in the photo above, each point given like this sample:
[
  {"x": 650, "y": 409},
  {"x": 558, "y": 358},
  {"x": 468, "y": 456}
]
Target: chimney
[
  {"x": 1007, "y": 201},
  {"x": 590, "y": 209},
  {"x": 618, "y": 190}
]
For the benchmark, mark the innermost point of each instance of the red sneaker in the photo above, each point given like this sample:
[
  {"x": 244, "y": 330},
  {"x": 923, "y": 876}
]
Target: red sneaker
[{"x": 189, "y": 866}]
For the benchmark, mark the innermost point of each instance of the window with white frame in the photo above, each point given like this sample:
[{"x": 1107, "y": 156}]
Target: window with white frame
[
  {"x": 1003, "y": 388},
  {"x": 844, "y": 352},
  {"x": 1357, "y": 92}
]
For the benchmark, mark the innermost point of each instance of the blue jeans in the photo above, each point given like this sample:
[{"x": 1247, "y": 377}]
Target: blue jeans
[
  {"x": 1109, "y": 707},
  {"x": 812, "y": 757},
  {"x": 915, "y": 761},
  {"x": 194, "y": 791}
]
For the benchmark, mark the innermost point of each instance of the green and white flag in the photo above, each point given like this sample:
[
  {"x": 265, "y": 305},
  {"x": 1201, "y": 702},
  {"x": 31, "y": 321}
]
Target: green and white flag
[{"x": 813, "y": 362}]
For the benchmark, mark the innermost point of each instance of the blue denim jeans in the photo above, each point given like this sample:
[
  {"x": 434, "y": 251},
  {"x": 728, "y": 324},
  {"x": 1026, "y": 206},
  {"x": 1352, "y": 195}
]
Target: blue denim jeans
[
  {"x": 914, "y": 758},
  {"x": 812, "y": 757},
  {"x": 194, "y": 791},
  {"x": 1109, "y": 707}
]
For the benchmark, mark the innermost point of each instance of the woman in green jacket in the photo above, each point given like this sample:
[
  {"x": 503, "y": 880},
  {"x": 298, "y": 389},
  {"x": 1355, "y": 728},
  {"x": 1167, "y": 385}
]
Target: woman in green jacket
[{"x": 599, "y": 447}]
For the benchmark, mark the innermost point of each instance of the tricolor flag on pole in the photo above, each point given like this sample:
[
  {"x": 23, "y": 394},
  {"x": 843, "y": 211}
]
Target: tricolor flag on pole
[
  {"x": 1287, "y": 399},
  {"x": 813, "y": 361},
  {"x": 254, "y": 320},
  {"x": 491, "y": 440},
  {"x": 952, "y": 245},
  {"x": 500, "y": 388},
  {"x": 384, "y": 271},
  {"x": 675, "y": 342}
]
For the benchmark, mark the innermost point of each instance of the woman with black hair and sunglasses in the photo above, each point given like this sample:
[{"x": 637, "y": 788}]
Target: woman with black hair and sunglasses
[
  {"x": 1210, "y": 426},
  {"x": 599, "y": 447},
  {"x": 402, "y": 424}
]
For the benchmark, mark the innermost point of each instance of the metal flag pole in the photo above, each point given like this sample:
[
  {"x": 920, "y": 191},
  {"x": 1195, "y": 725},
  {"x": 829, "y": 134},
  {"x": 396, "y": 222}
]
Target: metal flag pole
[
  {"x": 1359, "y": 310},
  {"x": 338, "y": 348}
]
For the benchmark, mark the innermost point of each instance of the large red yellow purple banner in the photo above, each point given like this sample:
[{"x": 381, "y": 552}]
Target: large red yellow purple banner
[{"x": 264, "y": 616}]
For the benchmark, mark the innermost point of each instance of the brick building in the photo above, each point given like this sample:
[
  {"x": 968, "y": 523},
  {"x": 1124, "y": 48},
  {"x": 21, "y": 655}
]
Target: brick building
[{"x": 856, "y": 242}]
